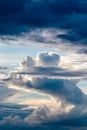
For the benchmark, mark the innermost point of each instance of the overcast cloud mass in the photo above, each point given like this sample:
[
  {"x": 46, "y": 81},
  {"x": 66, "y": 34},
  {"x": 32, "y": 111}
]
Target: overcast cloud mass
[{"x": 43, "y": 64}]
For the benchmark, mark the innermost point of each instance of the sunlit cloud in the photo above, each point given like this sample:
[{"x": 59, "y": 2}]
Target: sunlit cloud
[{"x": 43, "y": 64}]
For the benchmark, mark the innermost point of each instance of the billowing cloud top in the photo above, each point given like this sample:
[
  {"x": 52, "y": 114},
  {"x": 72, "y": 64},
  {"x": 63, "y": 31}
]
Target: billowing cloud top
[
  {"x": 45, "y": 59},
  {"x": 27, "y": 63},
  {"x": 43, "y": 75},
  {"x": 48, "y": 59}
]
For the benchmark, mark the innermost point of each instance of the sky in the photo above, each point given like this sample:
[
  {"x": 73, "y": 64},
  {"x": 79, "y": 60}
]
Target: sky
[{"x": 43, "y": 65}]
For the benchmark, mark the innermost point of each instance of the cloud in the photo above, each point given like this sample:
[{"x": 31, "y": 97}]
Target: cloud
[
  {"x": 43, "y": 59},
  {"x": 54, "y": 87},
  {"x": 12, "y": 115},
  {"x": 3, "y": 68},
  {"x": 5, "y": 93},
  {"x": 48, "y": 59},
  {"x": 52, "y": 65},
  {"x": 11, "y": 120},
  {"x": 63, "y": 115},
  {"x": 27, "y": 63},
  {"x": 12, "y": 109},
  {"x": 70, "y": 16},
  {"x": 68, "y": 102}
]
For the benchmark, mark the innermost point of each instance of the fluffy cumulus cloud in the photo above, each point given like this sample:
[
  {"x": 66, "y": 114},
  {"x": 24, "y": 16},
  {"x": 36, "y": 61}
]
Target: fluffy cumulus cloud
[
  {"x": 68, "y": 99},
  {"x": 68, "y": 102},
  {"x": 64, "y": 89},
  {"x": 48, "y": 59},
  {"x": 52, "y": 65},
  {"x": 53, "y": 23},
  {"x": 26, "y": 15},
  {"x": 45, "y": 59},
  {"x": 27, "y": 63},
  {"x": 44, "y": 75}
]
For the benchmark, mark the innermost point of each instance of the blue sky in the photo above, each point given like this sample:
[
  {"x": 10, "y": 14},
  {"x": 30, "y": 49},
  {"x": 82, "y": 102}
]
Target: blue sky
[
  {"x": 14, "y": 54},
  {"x": 43, "y": 64}
]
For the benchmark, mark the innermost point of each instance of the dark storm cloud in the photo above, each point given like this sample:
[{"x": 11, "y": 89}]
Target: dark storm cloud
[{"x": 24, "y": 15}]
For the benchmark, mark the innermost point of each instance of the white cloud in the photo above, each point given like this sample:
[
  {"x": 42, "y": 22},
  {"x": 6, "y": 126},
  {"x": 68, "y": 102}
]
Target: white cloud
[
  {"x": 49, "y": 113},
  {"x": 68, "y": 99},
  {"x": 26, "y": 64},
  {"x": 43, "y": 59},
  {"x": 48, "y": 59}
]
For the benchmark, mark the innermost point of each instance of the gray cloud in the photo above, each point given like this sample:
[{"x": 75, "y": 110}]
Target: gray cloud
[
  {"x": 48, "y": 59},
  {"x": 53, "y": 86},
  {"x": 62, "y": 90},
  {"x": 45, "y": 115},
  {"x": 48, "y": 64},
  {"x": 43, "y": 59}
]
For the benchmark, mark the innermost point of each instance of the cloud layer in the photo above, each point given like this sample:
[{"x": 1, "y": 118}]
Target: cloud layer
[
  {"x": 68, "y": 99},
  {"x": 22, "y": 16},
  {"x": 53, "y": 23}
]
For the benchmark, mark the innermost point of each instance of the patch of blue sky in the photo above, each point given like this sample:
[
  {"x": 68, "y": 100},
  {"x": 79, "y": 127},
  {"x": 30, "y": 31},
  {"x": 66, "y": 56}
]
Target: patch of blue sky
[{"x": 82, "y": 84}]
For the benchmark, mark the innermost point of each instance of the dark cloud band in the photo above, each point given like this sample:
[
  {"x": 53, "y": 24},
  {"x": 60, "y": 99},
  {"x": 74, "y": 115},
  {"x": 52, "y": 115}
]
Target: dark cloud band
[{"x": 19, "y": 16}]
